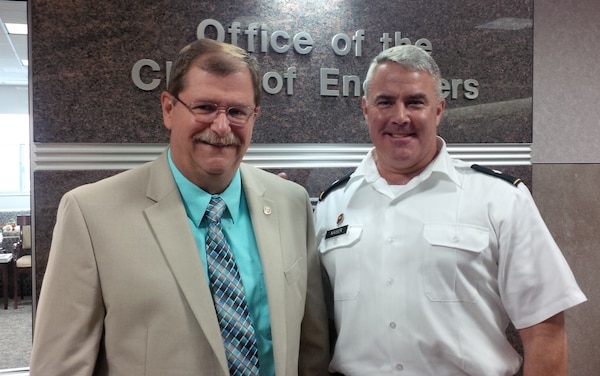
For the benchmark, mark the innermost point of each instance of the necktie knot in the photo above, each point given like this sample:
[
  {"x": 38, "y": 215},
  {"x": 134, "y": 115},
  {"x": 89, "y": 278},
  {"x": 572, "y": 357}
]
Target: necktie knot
[{"x": 216, "y": 208}]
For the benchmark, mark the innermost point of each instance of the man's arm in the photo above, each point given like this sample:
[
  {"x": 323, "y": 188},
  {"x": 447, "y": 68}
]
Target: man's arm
[
  {"x": 545, "y": 347},
  {"x": 70, "y": 313},
  {"x": 314, "y": 342}
]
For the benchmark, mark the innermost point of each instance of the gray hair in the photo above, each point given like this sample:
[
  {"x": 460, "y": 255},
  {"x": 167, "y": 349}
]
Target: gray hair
[{"x": 410, "y": 57}]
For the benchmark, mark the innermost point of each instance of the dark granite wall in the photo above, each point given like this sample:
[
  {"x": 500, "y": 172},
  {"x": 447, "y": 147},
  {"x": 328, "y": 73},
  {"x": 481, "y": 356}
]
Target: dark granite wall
[{"x": 83, "y": 53}]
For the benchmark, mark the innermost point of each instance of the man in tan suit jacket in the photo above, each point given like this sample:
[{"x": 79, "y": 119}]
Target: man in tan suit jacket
[{"x": 125, "y": 291}]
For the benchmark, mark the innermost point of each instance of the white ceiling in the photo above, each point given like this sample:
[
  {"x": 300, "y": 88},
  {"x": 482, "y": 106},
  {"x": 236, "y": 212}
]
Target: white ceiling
[{"x": 13, "y": 48}]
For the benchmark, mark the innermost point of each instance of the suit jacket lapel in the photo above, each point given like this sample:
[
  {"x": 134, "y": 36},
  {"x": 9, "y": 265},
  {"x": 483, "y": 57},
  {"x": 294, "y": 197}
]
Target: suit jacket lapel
[
  {"x": 265, "y": 220},
  {"x": 181, "y": 252}
]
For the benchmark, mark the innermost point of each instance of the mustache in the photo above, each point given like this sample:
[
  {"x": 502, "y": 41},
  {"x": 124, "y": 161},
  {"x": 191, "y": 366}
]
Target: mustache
[{"x": 213, "y": 139}]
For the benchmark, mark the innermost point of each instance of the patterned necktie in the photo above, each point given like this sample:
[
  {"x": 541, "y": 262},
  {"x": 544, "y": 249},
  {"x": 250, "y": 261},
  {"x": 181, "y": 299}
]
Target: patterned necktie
[{"x": 228, "y": 295}]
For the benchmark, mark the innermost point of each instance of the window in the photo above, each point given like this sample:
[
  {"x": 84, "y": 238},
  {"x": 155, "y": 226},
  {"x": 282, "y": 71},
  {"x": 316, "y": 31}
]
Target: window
[{"x": 14, "y": 162}]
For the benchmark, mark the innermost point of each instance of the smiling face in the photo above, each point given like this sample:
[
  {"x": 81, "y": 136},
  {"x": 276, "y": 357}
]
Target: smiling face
[
  {"x": 402, "y": 112},
  {"x": 208, "y": 153}
]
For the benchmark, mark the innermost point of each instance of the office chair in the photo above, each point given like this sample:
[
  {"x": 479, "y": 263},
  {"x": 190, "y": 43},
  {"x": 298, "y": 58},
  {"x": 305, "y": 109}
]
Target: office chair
[{"x": 22, "y": 256}]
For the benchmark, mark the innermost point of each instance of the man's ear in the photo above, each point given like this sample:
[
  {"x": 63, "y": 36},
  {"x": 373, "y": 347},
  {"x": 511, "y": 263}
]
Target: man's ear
[
  {"x": 365, "y": 109},
  {"x": 166, "y": 103},
  {"x": 439, "y": 111}
]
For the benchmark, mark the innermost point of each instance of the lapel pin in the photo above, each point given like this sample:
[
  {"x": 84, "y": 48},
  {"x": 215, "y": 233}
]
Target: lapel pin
[
  {"x": 340, "y": 218},
  {"x": 266, "y": 210}
]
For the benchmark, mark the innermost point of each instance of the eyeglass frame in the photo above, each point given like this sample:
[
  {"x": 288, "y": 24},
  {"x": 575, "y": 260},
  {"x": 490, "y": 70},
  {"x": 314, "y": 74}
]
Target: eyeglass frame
[{"x": 218, "y": 109}]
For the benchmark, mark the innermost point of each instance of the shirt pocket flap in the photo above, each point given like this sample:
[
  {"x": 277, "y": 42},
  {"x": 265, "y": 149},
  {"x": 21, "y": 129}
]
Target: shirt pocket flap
[
  {"x": 344, "y": 238},
  {"x": 466, "y": 237}
]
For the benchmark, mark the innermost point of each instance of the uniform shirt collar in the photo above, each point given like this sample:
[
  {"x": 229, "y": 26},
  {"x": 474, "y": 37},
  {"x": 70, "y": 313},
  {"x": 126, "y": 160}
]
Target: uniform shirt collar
[
  {"x": 195, "y": 199},
  {"x": 442, "y": 164}
]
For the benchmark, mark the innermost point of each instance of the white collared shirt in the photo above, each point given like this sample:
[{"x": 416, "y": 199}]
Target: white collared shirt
[{"x": 428, "y": 275}]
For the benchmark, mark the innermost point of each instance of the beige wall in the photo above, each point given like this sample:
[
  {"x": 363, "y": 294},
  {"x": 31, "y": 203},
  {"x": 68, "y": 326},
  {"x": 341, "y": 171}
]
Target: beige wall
[{"x": 566, "y": 157}]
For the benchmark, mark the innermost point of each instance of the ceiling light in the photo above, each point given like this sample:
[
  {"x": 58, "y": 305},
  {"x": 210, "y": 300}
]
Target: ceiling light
[{"x": 15, "y": 28}]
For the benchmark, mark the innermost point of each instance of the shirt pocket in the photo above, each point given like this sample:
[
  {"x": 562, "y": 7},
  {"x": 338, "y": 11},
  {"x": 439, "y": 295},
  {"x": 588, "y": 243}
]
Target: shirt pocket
[
  {"x": 340, "y": 256},
  {"x": 452, "y": 263}
]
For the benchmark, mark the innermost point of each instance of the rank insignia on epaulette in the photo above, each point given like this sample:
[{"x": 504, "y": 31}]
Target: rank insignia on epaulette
[
  {"x": 511, "y": 179},
  {"x": 336, "y": 184}
]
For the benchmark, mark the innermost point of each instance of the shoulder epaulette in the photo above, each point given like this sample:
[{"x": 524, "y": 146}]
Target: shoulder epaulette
[
  {"x": 336, "y": 184},
  {"x": 511, "y": 179}
]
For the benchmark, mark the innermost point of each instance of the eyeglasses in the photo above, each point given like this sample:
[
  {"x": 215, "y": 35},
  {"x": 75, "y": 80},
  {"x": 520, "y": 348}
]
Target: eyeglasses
[{"x": 208, "y": 112}]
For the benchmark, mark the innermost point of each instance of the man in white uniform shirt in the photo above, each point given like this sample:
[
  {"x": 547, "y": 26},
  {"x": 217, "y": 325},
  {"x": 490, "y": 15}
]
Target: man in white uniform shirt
[{"x": 430, "y": 258}]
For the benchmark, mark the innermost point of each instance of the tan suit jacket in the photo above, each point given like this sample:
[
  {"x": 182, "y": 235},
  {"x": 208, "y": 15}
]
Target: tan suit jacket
[{"x": 124, "y": 292}]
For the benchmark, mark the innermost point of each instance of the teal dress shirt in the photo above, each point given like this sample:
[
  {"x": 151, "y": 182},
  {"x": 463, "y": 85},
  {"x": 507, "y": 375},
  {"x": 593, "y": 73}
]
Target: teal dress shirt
[{"x": 237, "y": 226}]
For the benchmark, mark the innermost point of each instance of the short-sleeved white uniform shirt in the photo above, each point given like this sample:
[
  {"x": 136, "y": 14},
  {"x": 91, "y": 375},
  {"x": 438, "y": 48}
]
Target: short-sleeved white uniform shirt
[{"x": 428, "y": 275}]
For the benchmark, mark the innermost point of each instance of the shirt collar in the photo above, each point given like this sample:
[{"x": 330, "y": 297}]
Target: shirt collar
[
  {"x": 442, "y": 164},
  {"x": 195, "y": 199}
]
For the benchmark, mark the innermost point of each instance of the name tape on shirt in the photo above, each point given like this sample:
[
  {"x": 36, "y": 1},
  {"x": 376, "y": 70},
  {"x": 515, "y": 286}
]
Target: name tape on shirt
[{"x": 336, "y": 232}]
